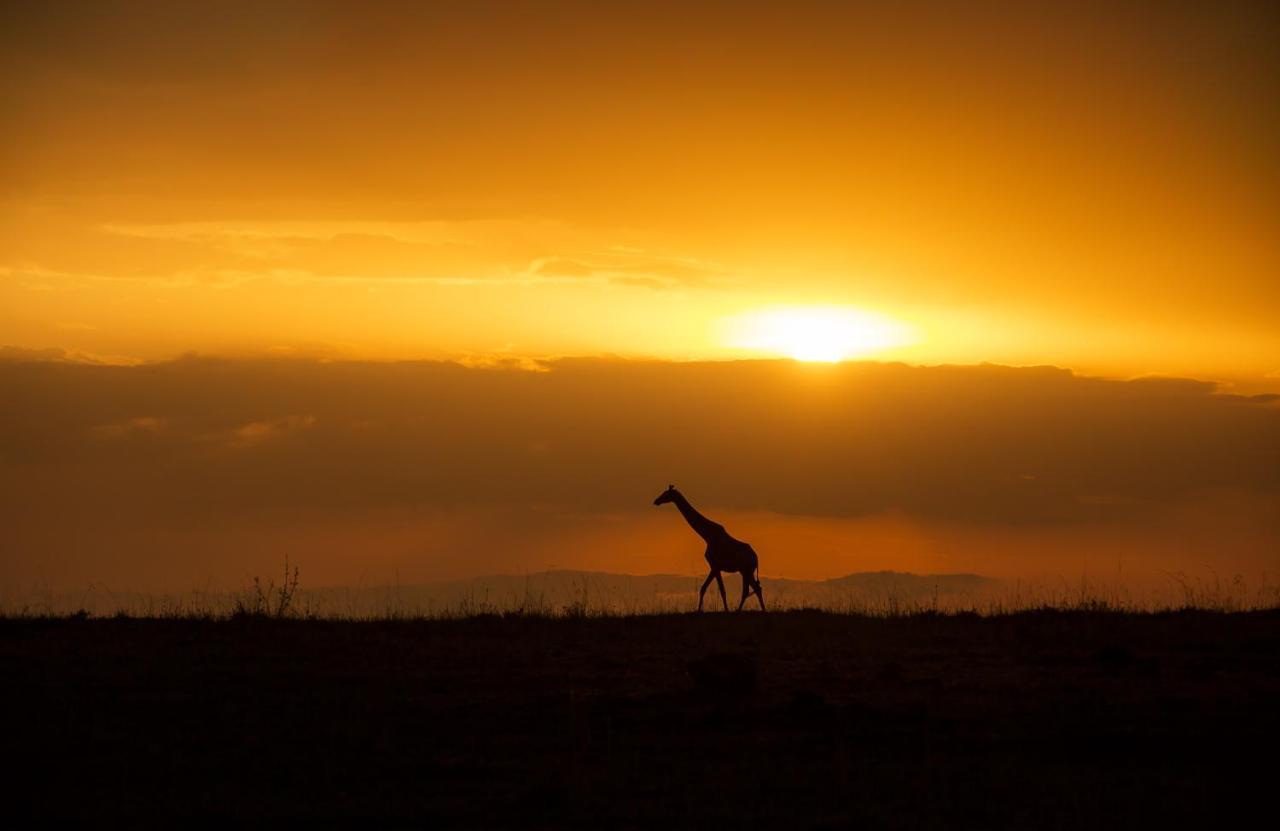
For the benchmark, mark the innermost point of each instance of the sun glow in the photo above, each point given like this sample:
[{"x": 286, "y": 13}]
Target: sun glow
[{"x": 818, "y": 333}]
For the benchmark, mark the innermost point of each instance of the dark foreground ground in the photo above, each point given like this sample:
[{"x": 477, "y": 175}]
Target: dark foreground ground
[{"x": 1032, "y": 720}]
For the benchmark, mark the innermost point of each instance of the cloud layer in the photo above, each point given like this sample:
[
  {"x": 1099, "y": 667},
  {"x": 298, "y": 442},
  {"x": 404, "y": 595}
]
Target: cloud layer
[{"x": 539, "y": 463}]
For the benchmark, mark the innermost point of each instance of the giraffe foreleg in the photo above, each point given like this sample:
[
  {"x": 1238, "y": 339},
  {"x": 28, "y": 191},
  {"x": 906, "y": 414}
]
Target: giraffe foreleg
[
  {"x": 723, "y": 597},
  {"x": 703, "y": 591}
]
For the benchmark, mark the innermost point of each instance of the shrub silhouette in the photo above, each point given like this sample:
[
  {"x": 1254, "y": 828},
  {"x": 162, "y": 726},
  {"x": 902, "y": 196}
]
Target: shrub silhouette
[{"x": 272, "y": 601}]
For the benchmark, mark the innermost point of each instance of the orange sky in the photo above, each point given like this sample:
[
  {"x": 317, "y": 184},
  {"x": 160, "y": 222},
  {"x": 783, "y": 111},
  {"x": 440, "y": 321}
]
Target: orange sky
[
  {"x": 1088, "y": 184},
  {"x": 311, "y": 192}
]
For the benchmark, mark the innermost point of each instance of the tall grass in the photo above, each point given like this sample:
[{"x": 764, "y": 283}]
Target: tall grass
[{"x": 287, "y": 599}]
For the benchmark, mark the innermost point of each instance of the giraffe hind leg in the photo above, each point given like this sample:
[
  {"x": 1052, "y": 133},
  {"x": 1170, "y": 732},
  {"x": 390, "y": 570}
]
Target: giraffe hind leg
[
  {"x": 724, "y": 599},
  {"x": 748, "y": 586}
]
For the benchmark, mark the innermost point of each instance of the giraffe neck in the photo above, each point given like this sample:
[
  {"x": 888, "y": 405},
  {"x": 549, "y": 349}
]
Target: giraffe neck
[{"x": 701, "y": 526}]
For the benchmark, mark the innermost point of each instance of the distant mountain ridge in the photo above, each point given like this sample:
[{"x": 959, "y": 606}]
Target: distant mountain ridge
[
  {"x": 556, "y": 591},
  {"x": 560, "y": 589}
]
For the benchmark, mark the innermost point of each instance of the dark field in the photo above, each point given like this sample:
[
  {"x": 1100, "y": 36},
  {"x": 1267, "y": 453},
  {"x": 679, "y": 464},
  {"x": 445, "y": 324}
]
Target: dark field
[{"x": 1038, "y": 719}]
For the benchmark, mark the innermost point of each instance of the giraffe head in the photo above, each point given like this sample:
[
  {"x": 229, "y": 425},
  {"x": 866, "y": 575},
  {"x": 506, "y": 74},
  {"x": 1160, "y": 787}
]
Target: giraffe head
[{"x": 666, "y": 496}]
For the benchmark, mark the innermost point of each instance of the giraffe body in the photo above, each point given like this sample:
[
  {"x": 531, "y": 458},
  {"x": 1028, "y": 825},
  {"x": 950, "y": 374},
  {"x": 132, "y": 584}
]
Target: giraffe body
[{"x": 724, "y": 552}]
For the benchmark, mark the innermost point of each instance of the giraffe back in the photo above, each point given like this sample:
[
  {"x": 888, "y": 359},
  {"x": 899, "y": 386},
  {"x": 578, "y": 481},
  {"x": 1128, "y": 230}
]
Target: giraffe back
[{"x": 732, "y": 555}]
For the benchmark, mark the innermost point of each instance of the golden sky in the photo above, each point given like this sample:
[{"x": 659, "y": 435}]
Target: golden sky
[
  {"x": 466, "y": 280},
  {"x": 1091, "y": 185}
]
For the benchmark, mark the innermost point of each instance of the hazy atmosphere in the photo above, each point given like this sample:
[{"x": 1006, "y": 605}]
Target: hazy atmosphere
[{"x": 178, "y": 474}]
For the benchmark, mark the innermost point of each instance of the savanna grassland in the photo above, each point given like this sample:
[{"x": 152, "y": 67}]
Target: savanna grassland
[{"x": 1046, "y": 719}]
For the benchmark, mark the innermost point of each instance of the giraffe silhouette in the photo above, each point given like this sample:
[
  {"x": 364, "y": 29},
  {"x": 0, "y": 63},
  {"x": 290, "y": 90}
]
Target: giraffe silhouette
[{"x": 724, "y": 553}]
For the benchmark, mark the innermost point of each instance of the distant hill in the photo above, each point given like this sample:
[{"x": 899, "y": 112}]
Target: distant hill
[
  {"x": 546, "y": 592},
  {"x": 560, "y": 590}
]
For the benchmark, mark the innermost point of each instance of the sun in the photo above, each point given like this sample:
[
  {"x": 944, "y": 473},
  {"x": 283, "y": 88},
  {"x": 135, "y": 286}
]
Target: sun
[{"x": 824, "y": 334}]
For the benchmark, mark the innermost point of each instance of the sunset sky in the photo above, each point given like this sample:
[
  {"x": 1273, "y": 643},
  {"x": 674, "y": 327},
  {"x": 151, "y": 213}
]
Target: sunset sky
[{"x": 562, "y": 213}]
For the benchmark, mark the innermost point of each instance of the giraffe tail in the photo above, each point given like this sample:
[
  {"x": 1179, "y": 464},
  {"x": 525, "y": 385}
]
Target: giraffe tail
[{"x": 759, "y": 589}]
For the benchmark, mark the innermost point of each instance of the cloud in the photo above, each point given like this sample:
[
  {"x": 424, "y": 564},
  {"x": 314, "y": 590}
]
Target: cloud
[
  {"x": 129, "y": 427},
  {"x": 256, "y": 432},
  {"x": 57, "y": 249},
  {"x": 526, "y": 458},
  {"x": 633, "y": 267},
  {"x": 561, "y": 267},
  {"x": 19, "y": 354},
  {"x": 967, "y": 444}
]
